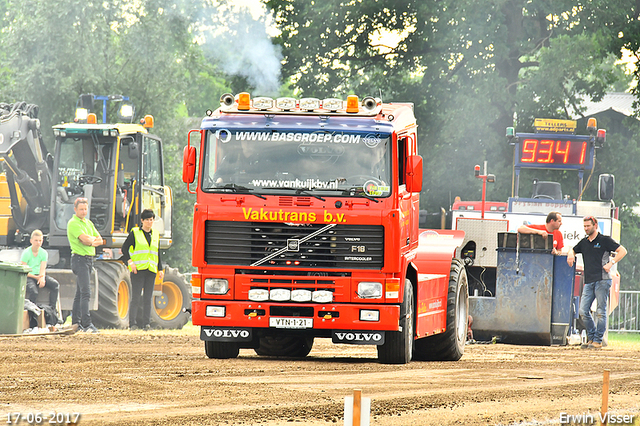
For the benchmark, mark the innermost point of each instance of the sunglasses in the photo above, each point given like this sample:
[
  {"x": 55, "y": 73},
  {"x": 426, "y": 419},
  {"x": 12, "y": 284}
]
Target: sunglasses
[{"x": 591, "y": 218}]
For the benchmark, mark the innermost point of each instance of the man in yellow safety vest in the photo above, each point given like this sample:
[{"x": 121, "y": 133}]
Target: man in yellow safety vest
[{"x": 140, "y": 253}]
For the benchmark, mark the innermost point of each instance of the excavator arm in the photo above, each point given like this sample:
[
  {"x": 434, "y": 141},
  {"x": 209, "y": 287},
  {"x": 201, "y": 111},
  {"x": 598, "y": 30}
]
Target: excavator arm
[{"x": 24, "y": 156}]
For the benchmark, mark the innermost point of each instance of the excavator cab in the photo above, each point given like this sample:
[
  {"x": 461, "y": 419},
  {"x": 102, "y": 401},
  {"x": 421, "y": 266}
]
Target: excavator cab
[
  {"x": 84, "y": 164},
  {"x": 118, "y": 169}
]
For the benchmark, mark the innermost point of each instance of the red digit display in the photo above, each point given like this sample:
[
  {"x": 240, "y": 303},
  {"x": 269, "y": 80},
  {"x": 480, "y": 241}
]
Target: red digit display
[
  {"x": 546, "y": 151},
  {"x": 583, "y": 152},
  {"x": 529, "y": 151},
  {"x": 565, "y": 151},
  {"x": 553, "y": 152}
]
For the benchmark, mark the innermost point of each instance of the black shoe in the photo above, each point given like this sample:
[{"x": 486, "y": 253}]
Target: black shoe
[
  {"x": 91, "y": 329},
  {"x": 586, "y": 345},
  {"x": 147, "y": 327},
  {"x": 134, "y": 327}
]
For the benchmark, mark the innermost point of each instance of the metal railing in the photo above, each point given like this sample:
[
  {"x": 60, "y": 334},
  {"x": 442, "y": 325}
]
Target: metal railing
[{"x": 626, "y": 316}]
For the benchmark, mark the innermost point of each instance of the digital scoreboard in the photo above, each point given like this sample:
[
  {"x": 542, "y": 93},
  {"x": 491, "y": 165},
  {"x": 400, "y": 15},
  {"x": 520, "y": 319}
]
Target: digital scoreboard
[
  {"x": 553, "y": 146},
  {"x": 554, "y": 151}
]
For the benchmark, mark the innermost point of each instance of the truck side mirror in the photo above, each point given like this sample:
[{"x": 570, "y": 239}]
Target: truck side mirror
[
  {"x": 606, "y": 187},
  {"x": 133, "y": 150},
  {"x": 189, "y": 164},
  {"x": 414, "y": 173}
]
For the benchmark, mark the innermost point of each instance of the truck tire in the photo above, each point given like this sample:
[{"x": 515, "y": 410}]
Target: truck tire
[
  {"x": 168, "y": 310},
  {"x": 449, "y": 346},
  {"x": 288, "y": 346},
  {"x": 398, "y": 345},
  {"x": 221, "y": 350},
  {"x": 114, "y": 295}
]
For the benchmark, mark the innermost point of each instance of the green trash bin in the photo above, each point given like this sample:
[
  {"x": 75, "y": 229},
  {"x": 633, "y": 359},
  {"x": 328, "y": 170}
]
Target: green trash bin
[{"x": 13, "y": 282}]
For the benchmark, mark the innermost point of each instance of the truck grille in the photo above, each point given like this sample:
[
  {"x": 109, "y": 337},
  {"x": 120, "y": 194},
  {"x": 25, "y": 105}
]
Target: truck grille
[{"x": 249, "y": 243}]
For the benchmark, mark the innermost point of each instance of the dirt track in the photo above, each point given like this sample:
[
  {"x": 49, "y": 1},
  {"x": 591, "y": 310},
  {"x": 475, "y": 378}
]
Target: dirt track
[{"x": 164, "y": 378}]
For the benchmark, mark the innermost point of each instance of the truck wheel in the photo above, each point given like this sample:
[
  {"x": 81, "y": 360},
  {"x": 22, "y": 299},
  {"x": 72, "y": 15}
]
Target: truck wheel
[
  {"x": 167, "y": 309},
  {"x": 114, "y": 295},
  {"x": 398, "y": 345},
  {"x": 221, "y": 350},
  {"x": 289, "y": 346},
  {"x": 449, "y": 346}
]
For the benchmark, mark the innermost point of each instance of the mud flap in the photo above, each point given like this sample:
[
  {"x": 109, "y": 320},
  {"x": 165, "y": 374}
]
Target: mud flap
[
  {"x": 358, "y": 337},
  {"x": 226, "y": 334}
]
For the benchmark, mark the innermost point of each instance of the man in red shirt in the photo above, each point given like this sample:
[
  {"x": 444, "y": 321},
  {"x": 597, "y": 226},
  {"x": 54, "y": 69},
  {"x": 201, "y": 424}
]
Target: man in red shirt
[{"x": 554, "y": 221}]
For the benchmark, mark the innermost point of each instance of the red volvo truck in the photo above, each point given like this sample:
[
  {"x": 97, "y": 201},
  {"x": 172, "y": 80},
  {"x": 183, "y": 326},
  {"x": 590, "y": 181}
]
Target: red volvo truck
[{"x": 306, "y": 226}]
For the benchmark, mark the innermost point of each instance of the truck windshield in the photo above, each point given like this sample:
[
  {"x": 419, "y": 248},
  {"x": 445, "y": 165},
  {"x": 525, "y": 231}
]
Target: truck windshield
[{"x": 309, "y": 163}]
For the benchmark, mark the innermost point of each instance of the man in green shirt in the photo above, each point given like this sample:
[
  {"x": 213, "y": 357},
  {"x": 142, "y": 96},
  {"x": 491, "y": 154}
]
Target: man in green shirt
[
  {"x": 83, "y": 240},
  {"x": 36, "y": 258}
]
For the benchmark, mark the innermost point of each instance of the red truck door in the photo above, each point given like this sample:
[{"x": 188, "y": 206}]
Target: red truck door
[{"x": 409, "y": 202}]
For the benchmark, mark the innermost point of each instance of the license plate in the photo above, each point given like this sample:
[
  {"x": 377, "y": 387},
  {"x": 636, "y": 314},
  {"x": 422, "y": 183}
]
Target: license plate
[{"x": 291, "y": 322}]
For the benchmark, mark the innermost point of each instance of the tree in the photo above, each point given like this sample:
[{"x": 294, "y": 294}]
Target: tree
[
  {"x": 471, "y": 69},
  {"x": 144, "y": 50},
  {"x": 57, "y": 53}
]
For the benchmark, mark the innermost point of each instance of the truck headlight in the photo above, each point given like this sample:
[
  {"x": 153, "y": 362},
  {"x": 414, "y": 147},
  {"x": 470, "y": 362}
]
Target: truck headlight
[
  {"x": 301, "y": 295},
  {"x": 263, "y": 103},
  {"x": 369, "y": 315},
  {"x": 309, "y": 104},
  {"x": 332, "y": 104},
  {"x": 216, "y": 286},
  {"x": 286, "y": 104},
  {"x": 369, "y": 290},
  {"x": 322, "y": 296},
  {"x": 258, "y": 294},
  {"x": 216, "y": 311},
  {"x": 280, "y": 294}
]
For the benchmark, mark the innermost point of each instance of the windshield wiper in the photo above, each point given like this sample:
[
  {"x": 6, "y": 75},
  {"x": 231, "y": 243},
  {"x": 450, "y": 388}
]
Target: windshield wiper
[
  {"x": 299, "y": 191},
  {"x": 354, "y": 193},
  {"x": 239, "y": 189}
]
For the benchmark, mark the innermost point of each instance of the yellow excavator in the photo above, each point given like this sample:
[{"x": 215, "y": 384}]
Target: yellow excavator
[{"x": 119, "y": 169}]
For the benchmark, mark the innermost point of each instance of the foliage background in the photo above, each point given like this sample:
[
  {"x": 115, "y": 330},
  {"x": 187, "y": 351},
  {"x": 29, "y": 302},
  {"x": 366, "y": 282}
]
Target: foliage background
[{"x": 470, "y": 68}]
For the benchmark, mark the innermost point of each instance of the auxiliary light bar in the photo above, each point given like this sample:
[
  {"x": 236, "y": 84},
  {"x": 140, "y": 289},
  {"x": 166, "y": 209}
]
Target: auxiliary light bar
[{"x": 243, "y": 102}]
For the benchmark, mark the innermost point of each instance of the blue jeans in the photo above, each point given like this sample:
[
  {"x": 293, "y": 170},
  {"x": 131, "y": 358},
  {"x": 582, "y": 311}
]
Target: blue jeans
[
  {"x": 598, "y": 290},
  {"x": 81, "y": 267}
]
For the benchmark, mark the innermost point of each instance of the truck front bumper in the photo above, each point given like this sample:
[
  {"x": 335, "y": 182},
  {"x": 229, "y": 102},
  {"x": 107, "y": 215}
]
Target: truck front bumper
[{"x": 316, "y": 316}]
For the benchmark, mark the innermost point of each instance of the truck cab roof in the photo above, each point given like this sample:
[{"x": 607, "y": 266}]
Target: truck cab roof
[{"x": 384, "y": 118}]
